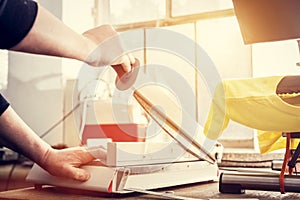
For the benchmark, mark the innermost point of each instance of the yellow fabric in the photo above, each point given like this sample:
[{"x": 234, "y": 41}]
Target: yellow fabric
[
  {"x": 253, "y": 103},
  {"x": 270, "y": 141}
]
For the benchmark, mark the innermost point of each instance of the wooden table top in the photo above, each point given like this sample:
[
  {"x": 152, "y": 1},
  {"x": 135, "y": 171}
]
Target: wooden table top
[{"x": 207, "y": 190}]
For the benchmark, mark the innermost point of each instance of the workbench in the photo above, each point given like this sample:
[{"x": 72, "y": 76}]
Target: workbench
[{"x": 207, "y": 190}]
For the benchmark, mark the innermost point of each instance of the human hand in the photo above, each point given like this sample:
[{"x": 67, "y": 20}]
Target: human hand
[
  {"x": 66, "y": 162},
  {"x": 106, "y": 48}
]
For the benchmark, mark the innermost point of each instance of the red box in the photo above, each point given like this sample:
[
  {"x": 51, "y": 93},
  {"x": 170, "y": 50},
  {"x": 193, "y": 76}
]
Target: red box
[{"x": 117, "y": 132}]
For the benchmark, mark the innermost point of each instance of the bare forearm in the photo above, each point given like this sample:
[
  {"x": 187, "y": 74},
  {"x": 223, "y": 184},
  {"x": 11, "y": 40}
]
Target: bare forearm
[
  {"x": 49, "y": 36},
  {"x": 65, "y": 163},
  {"x": 21, "y": 137}
]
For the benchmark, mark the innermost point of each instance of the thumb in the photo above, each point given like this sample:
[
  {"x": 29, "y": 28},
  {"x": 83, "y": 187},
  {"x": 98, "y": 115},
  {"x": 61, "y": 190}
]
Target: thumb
[
  {"x": 126, "y": 65},
  {"x": 79, "y": 174}
]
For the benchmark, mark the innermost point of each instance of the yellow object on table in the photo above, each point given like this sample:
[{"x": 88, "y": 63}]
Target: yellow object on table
[
  {"x": 270, "y": 141},
  {"x": 254, "y": 103}
]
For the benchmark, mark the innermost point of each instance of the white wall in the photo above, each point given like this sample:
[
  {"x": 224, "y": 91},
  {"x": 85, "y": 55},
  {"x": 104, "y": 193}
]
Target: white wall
[{"x": 35, "y": 92}]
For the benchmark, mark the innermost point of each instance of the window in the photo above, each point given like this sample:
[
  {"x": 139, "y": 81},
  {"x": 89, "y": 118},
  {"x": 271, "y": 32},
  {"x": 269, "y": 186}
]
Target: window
[
  {"x": 129, "y": 11},
  {"x": 198, "y": 6},
  {"x": 210, "y": 23}
]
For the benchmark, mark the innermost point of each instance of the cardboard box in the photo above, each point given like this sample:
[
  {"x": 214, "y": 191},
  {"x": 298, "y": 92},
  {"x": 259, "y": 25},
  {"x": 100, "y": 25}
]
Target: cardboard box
[{"x": 118, "y": 121}]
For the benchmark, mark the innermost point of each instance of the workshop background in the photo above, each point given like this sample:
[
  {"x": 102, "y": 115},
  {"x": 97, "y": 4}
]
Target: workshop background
[{"x": 41, "y": 88}]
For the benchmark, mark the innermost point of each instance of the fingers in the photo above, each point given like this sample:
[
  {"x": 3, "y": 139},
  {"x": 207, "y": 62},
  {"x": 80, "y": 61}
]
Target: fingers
[
  {"x": 74, "y": 173},
  {"x": 85, "y": 156},
  {"x": 126, "y": 61},
  {"x": 75, "y": 157},
  {"x": 129, "y": 61},
  {"x": 98, "y": 152},
  {"x": 79, "y": 174},
  {"x": 126, "y": 64},
  {"x": 67, "y": 162},
  {"x": 131, "y": 58}
]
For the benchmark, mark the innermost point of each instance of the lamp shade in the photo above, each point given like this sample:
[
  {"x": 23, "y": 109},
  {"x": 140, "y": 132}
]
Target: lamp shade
[{"x": 268, "y": 20}]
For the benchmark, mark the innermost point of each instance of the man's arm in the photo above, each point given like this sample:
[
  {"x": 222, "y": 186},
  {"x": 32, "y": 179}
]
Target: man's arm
[
  {"x": 65, "y": 162},
  {"x": 50, "y": 36},
  {"x": 21, "y": 137},
  {"x": 45, "y": 34}
]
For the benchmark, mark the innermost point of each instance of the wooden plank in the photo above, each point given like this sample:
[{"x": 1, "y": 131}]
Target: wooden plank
[{"x": 200, "y": 190}]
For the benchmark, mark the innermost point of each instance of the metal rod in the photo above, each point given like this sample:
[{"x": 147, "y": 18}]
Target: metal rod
[
  {"x": 237, "y": 183},
  {"x": 293, "y": 161}
]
